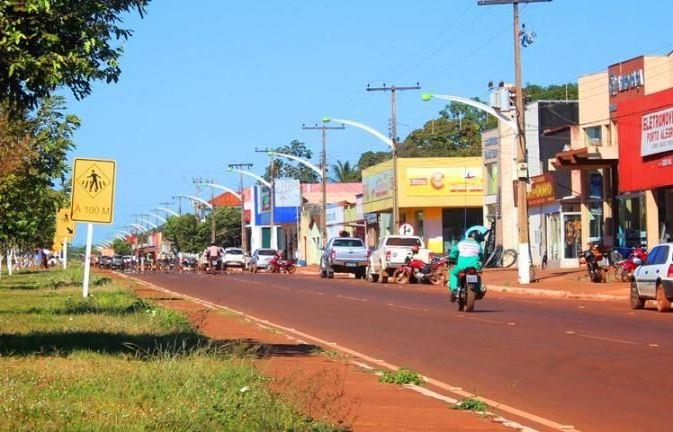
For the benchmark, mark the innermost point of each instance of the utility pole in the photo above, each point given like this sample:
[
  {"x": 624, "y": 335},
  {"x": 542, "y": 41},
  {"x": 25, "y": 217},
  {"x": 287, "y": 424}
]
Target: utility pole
[
  {"x": 197, "y": 181},
  {"x": 244, "y": 233},
  {"x": 272, "y": 171},
  {"x": 179, "y": 204},
  {"x": 521, "y": 156},
  {"x": 393, "y": 132},
  {"x": 323, "y": 214}
]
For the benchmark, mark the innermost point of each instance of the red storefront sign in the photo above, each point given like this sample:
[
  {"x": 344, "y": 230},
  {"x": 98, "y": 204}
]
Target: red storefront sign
[
  {"x": 542, "y": 191},
  {"x": 644, "y": 159}
]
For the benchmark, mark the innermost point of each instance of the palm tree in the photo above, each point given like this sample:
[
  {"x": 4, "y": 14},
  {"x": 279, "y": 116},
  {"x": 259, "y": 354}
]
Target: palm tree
[{"x": 344, "y": 172}]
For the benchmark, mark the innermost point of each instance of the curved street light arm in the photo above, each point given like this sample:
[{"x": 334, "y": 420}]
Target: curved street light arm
[
  {"x": 167, "y": 210},
  {"x": 126, "y": 233},
  {"x": 364, "y": 127},
  {"x": 197, "y": 199},
  {"x": 145, "y": 221},
  {"x": 224, "y": 188},
  {"x": 473, "y": 103},
  {"x": 253, "y": 175},
  {"x": 164, "y": 220},
  {"x": 298, "y": 159},
  {"x": 139, "y": 227}
]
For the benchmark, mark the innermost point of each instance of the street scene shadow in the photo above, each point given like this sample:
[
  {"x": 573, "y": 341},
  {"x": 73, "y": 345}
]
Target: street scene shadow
[{"x": 143, "y": 346}]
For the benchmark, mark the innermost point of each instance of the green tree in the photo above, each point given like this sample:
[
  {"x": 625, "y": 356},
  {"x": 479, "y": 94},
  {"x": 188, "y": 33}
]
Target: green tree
[
  {"x": 227, "y": 228},
  {"x": 48, "y": 44},
  {"x": 182, "y": 232},
  {"x": 28, "y": 197},
  {"x": 534, "y": 92},
  {"x": 287, "y": 168},
  {"x": 122, "y": 247},
  {"x": 370, "y": 158},
  {"x": 344, "y": 172}
]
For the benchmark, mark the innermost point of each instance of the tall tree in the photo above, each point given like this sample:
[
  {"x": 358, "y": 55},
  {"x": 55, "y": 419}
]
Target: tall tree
[
  {"x": 534, "y": 92},
  {"x": 122, "y": 247},
  {"x": 370, "y": 158},
  {"x": 28, "y": 198},
  {"x": 227, "y": 227},
  {"x": 48, "y": 44},
  {"x": 182, "y": 232},
  {"x": 344, "y": 172},
  {"x": 287, "y": 168}
]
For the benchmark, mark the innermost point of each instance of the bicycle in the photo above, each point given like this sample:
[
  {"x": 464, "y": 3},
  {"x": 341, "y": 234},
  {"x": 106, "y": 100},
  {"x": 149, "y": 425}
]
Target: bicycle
[{"x": 501, "y": 258}]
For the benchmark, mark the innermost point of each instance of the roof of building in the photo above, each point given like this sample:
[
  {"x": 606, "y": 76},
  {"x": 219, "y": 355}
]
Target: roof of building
[
  {"x": 336, "y": 192},
  {"x": 226, "y": 199}
]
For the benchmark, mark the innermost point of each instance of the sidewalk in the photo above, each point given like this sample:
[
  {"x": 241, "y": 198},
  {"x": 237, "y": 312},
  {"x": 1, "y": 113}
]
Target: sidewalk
[
  {"x": 324, "y": 384},
  {"x": 560, "y": 283}
]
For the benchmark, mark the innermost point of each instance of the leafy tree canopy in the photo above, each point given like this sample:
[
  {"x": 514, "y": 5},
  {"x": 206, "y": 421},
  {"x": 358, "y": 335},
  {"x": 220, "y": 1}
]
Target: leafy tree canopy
[
  {"x": 344, "y": 172},
  {"x": 534, "y": 92},
  {"x": 47, "y": 44},
  {"x": 188, "y": 234},
  {"x": 370, "y": 158},
  {"x": 122, "y": 247},
  {"x": 286, "y": 168}
]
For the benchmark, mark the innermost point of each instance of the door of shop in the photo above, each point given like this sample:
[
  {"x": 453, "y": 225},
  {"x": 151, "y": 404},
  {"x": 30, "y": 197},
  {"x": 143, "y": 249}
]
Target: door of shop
[{"x": 572, "y": 239}]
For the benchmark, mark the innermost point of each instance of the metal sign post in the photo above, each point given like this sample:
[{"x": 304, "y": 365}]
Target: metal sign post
[{"x": 87, "y": 260}]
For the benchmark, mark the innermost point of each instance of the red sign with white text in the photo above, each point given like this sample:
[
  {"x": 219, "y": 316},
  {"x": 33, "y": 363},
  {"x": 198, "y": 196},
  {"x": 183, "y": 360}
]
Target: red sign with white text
[{"x": 644, "y": 159}]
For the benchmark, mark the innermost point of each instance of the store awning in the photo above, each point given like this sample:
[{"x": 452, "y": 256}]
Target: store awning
[{"x": 581, "y": 159}]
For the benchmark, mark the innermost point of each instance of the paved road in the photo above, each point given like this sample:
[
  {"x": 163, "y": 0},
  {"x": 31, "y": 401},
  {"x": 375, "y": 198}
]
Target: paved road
[{"x": 595, "y": 365}]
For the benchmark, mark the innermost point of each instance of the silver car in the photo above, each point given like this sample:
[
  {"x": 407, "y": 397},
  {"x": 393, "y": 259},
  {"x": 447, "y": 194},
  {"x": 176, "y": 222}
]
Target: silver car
[
  {"x": 260, "y": 259},
  {"x": 653, "y": 280},
  {"x": 344, "y": 255}
]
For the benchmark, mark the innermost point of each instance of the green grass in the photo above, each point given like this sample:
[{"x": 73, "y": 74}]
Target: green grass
[
  {"x": 401, "y": 376},
  {"x": 472, "y": 404},
  {"x": 115, "y": 362}
]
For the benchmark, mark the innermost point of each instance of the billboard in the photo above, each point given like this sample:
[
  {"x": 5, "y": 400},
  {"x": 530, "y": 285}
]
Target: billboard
[
  {"x": 443, "y": 181},
  {"x": 378, "y": 186},
  {"x": 288, "y": 192}
]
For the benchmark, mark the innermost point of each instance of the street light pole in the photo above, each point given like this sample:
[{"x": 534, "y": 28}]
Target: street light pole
[
  {"x": 272, "y": 171},
  {"x": 393, "y": 132},
  {"x": 323, "y": 161},
  {"x": 244, "y": 233},
  {"x": 524, "y": 263}
]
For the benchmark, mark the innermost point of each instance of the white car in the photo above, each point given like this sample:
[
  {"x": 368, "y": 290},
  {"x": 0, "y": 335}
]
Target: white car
[
  {"x": 391, "y": 252},
  {"x": 653, "y": 280},
  {"x": 234, "y": 257},
  {"x": 260, "y": 259}
]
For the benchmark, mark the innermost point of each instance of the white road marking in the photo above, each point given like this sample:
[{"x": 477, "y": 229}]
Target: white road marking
[
  {"x": 654, "y": 345},
  {"x": 502, "y": 407},
  {"x": 352, "y": 298},
  {"x": 607, "y": 339},
  {"x": 407, "y": 307}
]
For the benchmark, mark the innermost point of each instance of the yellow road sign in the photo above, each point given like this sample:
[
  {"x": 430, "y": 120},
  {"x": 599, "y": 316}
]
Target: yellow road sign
[
  {"x": 65, "y": 226},
  {"x": 93, "y": 184}
]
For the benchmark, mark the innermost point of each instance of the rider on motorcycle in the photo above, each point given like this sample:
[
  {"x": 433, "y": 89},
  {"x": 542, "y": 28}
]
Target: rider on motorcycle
[{"x": 466, "y": 253}]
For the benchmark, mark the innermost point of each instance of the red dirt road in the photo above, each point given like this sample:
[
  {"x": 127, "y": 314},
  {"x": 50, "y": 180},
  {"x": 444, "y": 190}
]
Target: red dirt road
[{"x": 595, "y": 365}]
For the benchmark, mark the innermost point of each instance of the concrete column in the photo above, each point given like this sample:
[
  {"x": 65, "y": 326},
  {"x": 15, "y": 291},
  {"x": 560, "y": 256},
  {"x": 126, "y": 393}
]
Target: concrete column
[
  {"x": 584, "y": 209},
  {"x": 608, "y": 214},
  {"x": 651, "y": 219}
]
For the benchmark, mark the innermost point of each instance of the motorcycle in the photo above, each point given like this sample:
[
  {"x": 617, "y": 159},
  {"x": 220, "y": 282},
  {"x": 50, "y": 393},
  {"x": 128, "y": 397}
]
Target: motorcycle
[
  {"x": 597, "y": 266},
  {"x": 470, "y": 289},
  {"x": 625, "y": 267},
  {"x": 279, "y": 265},
  {"x": 415, "y": 270}
]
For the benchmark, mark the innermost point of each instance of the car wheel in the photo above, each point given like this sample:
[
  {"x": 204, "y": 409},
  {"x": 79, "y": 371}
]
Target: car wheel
[
  {"x": 383, "y": 276},
  {"x": 330, "y": 273},
  {"x": 322, "y": 270},
  {"x": 635, "y": 300},
  {"x": 663, "y": 304}
]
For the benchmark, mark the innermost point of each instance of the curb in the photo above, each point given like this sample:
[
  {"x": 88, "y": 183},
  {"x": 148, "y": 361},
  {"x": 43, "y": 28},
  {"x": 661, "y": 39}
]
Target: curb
[{"x": 555, "y": 293}]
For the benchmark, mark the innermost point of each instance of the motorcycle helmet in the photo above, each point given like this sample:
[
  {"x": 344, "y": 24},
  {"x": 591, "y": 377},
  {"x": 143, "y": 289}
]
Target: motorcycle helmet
[{"x": 476, "y": 235}]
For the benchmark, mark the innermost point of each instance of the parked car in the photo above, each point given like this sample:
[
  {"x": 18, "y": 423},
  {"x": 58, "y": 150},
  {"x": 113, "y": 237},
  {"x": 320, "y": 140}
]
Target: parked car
[
  {"x": 117, "y": 263},
  {"x": 344, "y": 255},
  {"x": 260, "y": 259},
  {"x": 390, "y": 253},
  {"x": 105, "y": 262},
  {"x": 654, "y": 279},
  {"x": 234, "y": 257}
]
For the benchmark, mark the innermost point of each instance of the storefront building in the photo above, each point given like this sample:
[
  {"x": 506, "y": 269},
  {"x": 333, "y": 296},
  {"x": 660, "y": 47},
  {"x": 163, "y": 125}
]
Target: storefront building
[{"x": 439, "y": 197}]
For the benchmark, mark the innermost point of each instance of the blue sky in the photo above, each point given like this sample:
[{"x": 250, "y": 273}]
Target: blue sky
[{"x": 206, "y": 82}]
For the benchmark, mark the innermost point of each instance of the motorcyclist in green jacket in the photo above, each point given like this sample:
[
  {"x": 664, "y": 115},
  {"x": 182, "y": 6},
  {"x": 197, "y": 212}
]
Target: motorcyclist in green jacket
[{"x": 466, "y": 253}]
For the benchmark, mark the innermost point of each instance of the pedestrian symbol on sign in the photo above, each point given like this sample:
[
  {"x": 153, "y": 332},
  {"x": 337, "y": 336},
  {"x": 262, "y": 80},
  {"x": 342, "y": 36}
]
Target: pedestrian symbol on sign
[{"x": 93, "y": 182}]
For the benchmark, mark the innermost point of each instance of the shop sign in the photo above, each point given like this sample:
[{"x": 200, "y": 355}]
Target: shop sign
[
  {"x": 490, "y": 146},
  {"x": 444, "y": 181},
  {"x": 626, "y": 81},
  {"x": 372, "y": 218},
  {"x": 657, "y": 132},
  {"x": 542, "y": 190},
  {"x": 264, "y": 199},
  {"x": 287, "y": 192},
  {"x": 378, "y": 186}
]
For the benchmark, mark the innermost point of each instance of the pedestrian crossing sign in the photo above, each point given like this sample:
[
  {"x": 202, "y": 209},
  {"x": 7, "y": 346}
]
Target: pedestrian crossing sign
[
  {"x": 65, "y": 226},
  {"x": 93, "y": 184}
]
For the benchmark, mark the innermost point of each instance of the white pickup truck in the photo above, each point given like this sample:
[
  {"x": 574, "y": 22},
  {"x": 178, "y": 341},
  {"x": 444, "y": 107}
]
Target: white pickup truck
[{"x": 391, "y": 252}]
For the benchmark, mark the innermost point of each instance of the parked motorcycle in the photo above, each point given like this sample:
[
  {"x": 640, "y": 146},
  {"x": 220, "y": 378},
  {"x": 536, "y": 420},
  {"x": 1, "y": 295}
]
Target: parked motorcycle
[
  {"x": 415, "y": 270},
  {"x": 278, "y": 264},
  {"x": 470, "y": 289},
  {"x": 625, "y": 267},
  {"x": 598, "y": 265}
]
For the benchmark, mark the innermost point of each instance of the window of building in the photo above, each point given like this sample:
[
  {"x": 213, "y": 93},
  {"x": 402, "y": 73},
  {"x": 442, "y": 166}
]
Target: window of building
[
  {"x": 595, "y": 221},
  {"x": 593, "y": 136},
  {"x": 491, "y": 179}
]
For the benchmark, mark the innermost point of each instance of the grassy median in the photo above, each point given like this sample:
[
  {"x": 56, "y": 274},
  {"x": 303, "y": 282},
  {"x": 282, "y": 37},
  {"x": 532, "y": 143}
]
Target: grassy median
[{"x": 116, "y": 362}]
